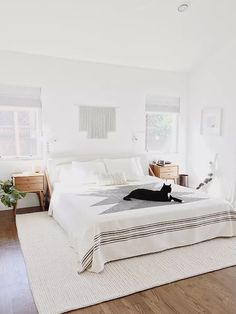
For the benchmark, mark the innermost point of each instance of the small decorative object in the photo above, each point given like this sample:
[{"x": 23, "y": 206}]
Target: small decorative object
[
  {"x": 161, "y": 162},
  {"x": 209, "y": 178},
  {"x": 183, "y": 179},
  {"x": 134, "y": 138},
  {"x": 36, "y": 167},
  {"x": 211, "y": 121},
  {"x": 9, "y": 194}
]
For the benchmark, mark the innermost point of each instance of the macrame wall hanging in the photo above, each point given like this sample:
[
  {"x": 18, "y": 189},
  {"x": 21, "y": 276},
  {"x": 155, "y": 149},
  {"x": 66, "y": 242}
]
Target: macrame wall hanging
[{"x": 97, "y": 121}]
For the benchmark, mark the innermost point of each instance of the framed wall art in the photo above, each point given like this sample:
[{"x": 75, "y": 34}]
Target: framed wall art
[{"x": 211, "y": 121}]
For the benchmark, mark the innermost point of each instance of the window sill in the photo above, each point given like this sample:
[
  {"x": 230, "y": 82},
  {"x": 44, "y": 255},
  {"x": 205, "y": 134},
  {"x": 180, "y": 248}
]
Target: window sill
[{"x": 20, "y": 158}]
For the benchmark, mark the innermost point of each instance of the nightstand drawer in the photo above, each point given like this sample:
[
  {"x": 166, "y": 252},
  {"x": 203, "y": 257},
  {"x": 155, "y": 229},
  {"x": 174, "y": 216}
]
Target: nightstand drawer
[
  {"x": 170, "y": 172},
  {"x": 29, "y": 183},
  {"x": 29, "y": 180},
  {"x": 27, "y": 187},
  {"x": 169, "y": 175},
  {"x": 168, "y": 169}
]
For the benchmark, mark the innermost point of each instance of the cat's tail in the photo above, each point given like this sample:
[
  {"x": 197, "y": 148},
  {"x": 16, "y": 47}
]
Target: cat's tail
[
  {"x": 175, "y": 199},
  {"x": 127, "y": 198}
]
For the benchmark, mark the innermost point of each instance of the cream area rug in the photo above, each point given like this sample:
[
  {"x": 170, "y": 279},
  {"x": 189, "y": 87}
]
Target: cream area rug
[{"x": 57, "y": 287}]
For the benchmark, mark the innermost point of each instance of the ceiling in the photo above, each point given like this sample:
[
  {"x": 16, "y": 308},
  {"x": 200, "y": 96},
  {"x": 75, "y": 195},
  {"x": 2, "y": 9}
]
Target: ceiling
[{"x": 143, "y": 33}]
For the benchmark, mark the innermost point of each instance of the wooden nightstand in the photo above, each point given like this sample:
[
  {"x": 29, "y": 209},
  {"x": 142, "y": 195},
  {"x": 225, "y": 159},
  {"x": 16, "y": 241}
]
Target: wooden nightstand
[
  {"x": 167, "y": 172},
  {"x": 30, "y": 183}
]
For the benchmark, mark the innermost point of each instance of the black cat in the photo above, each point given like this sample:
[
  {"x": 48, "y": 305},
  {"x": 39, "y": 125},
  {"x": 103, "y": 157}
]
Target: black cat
[{"x": 150, "y": 195}]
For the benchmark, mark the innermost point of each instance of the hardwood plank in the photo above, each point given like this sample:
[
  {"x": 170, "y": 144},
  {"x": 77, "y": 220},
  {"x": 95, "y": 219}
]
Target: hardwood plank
[
  {"x": 15, "y": 294},
  {"x": 212, "y": 293}
]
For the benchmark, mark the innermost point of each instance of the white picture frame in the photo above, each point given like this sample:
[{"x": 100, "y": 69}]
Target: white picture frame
[{"x": 211, "y": 121}]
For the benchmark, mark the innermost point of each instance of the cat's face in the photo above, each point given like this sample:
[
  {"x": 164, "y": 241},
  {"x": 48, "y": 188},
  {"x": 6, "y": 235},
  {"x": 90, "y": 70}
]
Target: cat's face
[{"x": 167, "y": 187}]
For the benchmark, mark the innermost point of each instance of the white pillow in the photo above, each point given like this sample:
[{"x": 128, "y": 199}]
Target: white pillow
[
  {"x": 111, "y": 179},
  {"x": 139, "y": 166},
  {"x": 126, "y": 165},
  {"x": 67, "y": 177},
  {"x": 86, "y": 172},
  {"x": 61, "y": 171}
]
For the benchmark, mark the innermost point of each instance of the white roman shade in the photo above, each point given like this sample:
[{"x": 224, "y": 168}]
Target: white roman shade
[
  {"x": 20, "y": 122},
  {"x": 156, "y": 103},
  {"x": 17, "y": 96}
]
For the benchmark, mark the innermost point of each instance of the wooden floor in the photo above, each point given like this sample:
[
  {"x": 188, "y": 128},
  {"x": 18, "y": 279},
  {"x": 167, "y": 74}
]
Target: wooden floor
[{"x": 213, "y": 293}]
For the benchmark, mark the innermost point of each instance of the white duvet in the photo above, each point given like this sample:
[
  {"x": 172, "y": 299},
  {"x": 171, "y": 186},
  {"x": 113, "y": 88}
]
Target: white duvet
[{"x": 101, "y": 227}]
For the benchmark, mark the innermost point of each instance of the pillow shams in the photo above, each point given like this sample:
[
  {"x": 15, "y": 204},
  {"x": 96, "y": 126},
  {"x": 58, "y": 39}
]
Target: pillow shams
[
  {"x": 86, "y": 172},
  {"x": 126, "y": 165},
  {"x": 66, "y": 176},
  {"x": 139, "y": 166},
  {"x": 59, "y": 171},
  {"x": 77, "y": 173}
]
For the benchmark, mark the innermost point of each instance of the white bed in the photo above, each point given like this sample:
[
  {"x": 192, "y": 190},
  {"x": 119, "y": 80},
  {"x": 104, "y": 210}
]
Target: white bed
[{"x": 102, "y": 227}]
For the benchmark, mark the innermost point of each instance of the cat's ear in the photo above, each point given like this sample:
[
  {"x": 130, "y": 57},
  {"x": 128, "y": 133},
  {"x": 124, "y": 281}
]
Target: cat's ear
[{"x": 170, "y": 185}]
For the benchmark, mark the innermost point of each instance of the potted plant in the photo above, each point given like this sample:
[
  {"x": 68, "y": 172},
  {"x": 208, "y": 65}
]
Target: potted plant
[{"x": 9, "y": 195}]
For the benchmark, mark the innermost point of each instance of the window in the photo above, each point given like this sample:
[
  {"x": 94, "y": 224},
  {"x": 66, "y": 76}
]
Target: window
[
  {"x": 162, "y": 115},
  {"x": 20, "y": 127}
]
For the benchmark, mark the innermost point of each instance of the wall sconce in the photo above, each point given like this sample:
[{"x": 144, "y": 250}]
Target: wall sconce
[{"x": 134, "y": 138}]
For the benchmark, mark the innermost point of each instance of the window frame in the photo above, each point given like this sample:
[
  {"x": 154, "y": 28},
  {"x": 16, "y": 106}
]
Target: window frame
[{"x": 39, "y": 129}]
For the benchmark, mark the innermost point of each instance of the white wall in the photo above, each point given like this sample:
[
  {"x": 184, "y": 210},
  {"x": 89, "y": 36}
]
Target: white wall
[
  {"x": 212, "y": 84},
  {"x": 65, "y": 83}
]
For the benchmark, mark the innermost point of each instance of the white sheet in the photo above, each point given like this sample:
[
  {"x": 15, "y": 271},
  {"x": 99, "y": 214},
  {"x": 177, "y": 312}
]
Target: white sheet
[{"x": 99, "y": 238}]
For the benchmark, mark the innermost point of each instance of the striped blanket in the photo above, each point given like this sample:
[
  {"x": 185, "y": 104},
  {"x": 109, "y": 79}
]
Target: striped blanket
[{"x": 102, "y": 227}]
